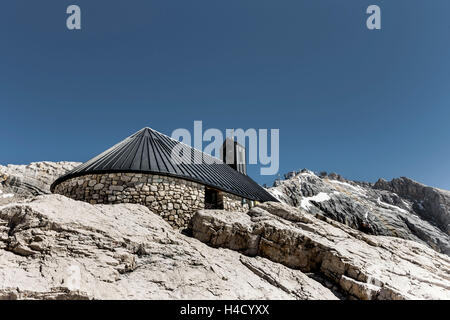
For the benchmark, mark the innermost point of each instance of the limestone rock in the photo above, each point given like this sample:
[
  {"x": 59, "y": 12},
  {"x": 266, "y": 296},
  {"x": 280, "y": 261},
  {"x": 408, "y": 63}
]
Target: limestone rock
[
  {"x": 351, "y": 263},
  {"x": 345, "y": 240},
  {"x": 52, "y": 247},
  {"x": 432, "y": 204},
  {"x": 22, "y": 181},
  {"x": 401, "y": 208}
]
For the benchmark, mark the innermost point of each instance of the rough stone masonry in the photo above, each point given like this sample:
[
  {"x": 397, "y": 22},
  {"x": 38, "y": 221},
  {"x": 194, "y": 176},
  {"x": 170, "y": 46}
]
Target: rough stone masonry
[{"x": 175, "y": 199}]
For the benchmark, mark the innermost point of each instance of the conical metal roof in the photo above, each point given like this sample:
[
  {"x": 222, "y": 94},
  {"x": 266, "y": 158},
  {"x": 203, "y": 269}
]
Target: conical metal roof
[{"x": 149, "y": 151}]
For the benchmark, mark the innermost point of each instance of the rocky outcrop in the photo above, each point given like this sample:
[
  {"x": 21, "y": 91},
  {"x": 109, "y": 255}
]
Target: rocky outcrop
[
  {"x": 432, "y": 204},
  {"x": 349, "y": 262},
  {"x": 402, "y": 208},
  {"x": 173, "y": 198},
  {"x": 22, "y": 181},
  {"x": 52, "y": 247}
]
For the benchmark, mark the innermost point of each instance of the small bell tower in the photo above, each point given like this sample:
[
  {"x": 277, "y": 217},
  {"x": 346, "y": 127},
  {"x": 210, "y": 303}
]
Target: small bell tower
[{"x": 233, "y": 154}]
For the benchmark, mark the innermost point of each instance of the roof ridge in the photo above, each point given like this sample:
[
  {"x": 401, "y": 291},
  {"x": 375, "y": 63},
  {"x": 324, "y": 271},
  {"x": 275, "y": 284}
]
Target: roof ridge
[{"x": 220, "y": 160}]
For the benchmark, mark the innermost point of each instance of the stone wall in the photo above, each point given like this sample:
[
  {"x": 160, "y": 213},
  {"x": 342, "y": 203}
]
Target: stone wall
[
  {"x": 175, "y": 199},
  {"x": 234, "y": 203}
]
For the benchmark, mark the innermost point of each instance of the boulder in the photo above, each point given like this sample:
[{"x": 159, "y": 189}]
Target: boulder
[{"x": 347, "y": 261}]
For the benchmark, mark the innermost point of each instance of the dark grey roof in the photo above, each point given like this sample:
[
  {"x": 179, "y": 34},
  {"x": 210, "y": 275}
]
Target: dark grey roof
[{"x": 149, "y": 151}]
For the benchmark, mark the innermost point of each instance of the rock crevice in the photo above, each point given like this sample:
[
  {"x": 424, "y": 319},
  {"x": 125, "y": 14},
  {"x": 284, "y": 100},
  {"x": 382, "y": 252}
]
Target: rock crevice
[{"x": 363, "y": 266}]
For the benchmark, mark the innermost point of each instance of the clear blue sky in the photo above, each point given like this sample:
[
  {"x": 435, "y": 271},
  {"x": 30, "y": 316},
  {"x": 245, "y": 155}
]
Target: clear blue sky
[{"x": 365, "y": 104}]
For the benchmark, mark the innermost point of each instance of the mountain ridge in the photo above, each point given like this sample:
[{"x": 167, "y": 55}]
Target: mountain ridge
[{"x": 401, "y": 207}]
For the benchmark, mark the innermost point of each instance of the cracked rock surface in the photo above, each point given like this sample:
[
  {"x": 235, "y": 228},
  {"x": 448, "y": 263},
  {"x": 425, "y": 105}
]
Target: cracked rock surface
[
  {"x": 52, "y": 247},
  {"x": 347, "y": 261}
]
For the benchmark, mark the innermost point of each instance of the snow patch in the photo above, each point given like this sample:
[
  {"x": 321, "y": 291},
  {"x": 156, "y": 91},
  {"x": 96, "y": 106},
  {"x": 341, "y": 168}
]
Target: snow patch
[
  {"x": 348, "y": 185},
  {"x": 356, "y": 189},
  {"x": 390, "y": 206},
  {"x": 306, "y": 202}
]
